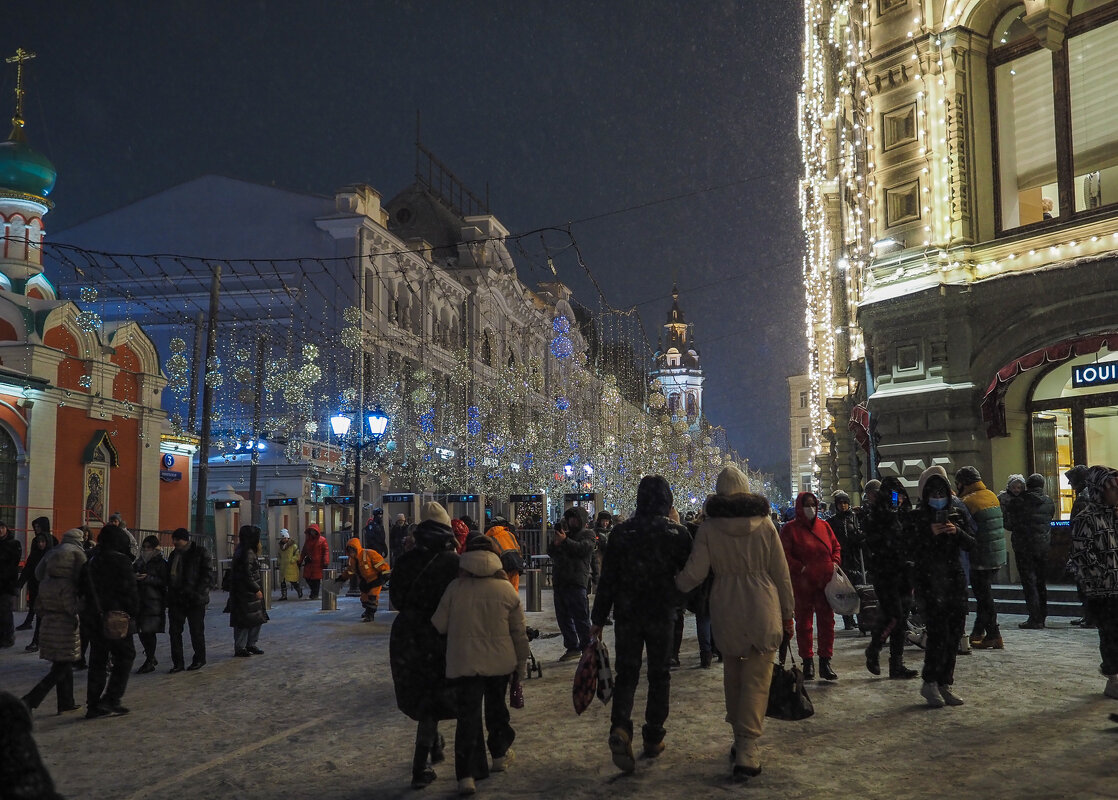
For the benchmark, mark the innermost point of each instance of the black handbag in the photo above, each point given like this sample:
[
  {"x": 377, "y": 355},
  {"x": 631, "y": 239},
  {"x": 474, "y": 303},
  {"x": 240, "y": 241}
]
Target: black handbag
[{"x": 787, "y": 696}]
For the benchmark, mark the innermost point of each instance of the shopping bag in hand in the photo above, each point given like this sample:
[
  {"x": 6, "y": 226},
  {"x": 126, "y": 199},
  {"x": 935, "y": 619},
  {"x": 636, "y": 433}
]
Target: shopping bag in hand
[
  {"x": 586, "y": 678},
  {"x": 605, "y": 673}
]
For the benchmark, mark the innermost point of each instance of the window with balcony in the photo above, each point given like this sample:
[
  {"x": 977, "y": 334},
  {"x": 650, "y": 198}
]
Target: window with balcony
[{"x": 1056, "y": 145}]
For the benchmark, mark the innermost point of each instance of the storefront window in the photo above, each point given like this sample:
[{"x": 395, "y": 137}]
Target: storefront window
[
  {"x": 1052, "y": 448},
  {"x": 1101, "y": 428}
]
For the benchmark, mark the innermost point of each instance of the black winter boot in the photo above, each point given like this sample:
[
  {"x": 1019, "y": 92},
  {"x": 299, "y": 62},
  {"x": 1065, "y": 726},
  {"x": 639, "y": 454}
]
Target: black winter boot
[
  {"x": 825, "y": 671},
  {"x": 809, "y": 669},
  {"x": 422, "y": 776},
  {"x": 873, "y": 660},
  {"x": 898, "y": 670}
]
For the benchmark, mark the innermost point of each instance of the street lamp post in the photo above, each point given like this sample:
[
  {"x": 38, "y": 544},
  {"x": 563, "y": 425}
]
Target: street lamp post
[{"x": 340, "y": 424}]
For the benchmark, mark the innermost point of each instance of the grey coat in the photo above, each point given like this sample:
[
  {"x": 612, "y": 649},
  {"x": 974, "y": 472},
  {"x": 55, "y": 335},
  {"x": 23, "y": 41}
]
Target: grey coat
[{"x": 58, "y": 602}]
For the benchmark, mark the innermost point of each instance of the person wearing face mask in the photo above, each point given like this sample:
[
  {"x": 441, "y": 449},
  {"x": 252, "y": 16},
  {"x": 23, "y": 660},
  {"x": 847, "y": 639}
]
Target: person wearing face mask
[
  {"x": 813, "y": 552},
  {"x": 938, "y": 534}
]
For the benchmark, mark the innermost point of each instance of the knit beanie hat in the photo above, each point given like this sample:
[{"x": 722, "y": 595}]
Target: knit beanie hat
[
  {"x": 840, "y": 497},
  {"x": 1035, "y": 481},
  {"x": 871, "y": 486},
  {"x": 1015, "y": 478},
  {"x": 967, "y": 475},
  {"x": 435, "y": 513}
]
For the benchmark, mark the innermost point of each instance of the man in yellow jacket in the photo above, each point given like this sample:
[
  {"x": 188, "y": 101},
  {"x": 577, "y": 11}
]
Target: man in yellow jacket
[{"x": 371, "y": 570}]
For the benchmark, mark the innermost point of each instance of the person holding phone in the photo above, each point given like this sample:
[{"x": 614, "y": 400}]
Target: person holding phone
[{"x": 938, "y": 534}]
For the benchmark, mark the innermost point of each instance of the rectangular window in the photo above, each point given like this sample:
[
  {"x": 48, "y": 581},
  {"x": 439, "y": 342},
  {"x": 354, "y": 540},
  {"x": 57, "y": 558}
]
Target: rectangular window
[
  {"x": 803, "y": 399},
  {"x": 1093, "y": 79},
  {"x": 902, "y": 204},
  {"x": 898, "y": 126},
  {"x": 805, "y": 437},
  {"x": 1026, "y": 140}
]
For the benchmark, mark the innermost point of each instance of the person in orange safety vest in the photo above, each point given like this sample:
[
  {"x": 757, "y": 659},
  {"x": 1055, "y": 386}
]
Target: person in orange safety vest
[{"x": 371, "y": 570}]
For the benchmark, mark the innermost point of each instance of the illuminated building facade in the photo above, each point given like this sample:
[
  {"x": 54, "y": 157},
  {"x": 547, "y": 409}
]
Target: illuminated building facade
[{"x": 960, "y": 210}]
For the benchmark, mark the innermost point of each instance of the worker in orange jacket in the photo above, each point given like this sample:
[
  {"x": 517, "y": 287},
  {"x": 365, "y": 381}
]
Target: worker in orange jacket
[
  {"x": 371, "y": 570},
  {"x": 512, "y": 562}
]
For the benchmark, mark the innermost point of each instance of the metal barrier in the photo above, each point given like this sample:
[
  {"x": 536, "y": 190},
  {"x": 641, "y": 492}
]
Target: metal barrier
[
  {"x": 533, "y": 588},
  {"x": 266, "y": 583},
  {"x": 328, "y": 595}
]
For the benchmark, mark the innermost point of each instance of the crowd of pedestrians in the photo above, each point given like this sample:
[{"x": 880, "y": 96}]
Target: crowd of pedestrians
[{"x": 459, "y": 642}]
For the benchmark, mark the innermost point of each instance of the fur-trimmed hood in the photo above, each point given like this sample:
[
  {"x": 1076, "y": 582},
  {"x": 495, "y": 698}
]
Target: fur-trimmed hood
[{"x": 737, "y": 505}]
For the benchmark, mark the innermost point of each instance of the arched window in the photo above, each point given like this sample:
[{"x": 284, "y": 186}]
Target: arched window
[
  {"x": 486, "y": 350},
  {"x": 692, "y": 406},
  {"x": 673, "y": 403},
  {"x": 1055, "y": 142},
  {"x": 9, "y": 457}
]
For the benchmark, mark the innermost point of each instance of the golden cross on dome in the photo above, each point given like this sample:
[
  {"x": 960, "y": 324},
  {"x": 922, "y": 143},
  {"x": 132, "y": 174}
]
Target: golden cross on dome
[{"x": 18, "y": 59}]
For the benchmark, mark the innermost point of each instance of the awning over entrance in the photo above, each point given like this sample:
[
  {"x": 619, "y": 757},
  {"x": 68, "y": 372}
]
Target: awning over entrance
[
  {"x": 859, "y": 423},
  {"x": 993, "y": 401}
]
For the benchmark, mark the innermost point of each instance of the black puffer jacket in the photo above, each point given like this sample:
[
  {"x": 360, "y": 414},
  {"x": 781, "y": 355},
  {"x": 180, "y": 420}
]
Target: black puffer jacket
[
  {"x": 642, "y": 558},
  {"x": 246, "y": 610},
  {"x": 35, "y": 554},
  {"x": 153, "y": 593},
  {"x": 886, "y": 548},
  {"x": 1030, "y": 514},
  {"x": 937, "y": 572}
]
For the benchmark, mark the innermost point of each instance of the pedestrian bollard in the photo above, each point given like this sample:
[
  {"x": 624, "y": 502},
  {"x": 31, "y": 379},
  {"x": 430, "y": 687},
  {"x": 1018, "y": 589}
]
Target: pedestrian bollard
[
  {"x": 533, "y": 585},
  {"x": 266, "y": 583},
  {"x": 329, "y": 599}
]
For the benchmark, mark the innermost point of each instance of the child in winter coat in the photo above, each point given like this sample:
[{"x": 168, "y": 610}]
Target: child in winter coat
[
  {"x": 288, "y": 564},
  {"x": 481, "y": 616}
]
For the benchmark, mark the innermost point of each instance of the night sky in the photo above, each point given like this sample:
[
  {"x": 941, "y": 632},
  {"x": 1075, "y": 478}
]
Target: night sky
[{"x": 684, "y": 124}]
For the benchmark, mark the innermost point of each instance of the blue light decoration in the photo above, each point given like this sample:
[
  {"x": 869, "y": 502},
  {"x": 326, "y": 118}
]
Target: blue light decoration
[
  {"x": 528, "y": 461},
  {"x": 562, "y": 403},
  {"x": 561, "y": 346},
  {"x": 473, "y": 424},
  {"x": 427, "y": 421}
]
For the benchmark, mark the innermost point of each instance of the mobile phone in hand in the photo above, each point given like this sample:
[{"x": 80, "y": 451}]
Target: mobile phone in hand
[{"x": 941, "y": 516}]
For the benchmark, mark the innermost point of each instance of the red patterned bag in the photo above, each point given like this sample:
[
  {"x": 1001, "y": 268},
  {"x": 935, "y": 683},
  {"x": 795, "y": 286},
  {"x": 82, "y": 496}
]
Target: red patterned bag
[{"x": 586, "y": 678}]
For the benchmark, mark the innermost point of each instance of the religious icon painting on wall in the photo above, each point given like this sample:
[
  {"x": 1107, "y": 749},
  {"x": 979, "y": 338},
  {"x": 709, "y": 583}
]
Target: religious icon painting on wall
[{"x": 96, "y": 489}]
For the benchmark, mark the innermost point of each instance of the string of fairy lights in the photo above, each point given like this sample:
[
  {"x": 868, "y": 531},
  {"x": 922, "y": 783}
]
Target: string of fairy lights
[{"x": 564, "y": 418}]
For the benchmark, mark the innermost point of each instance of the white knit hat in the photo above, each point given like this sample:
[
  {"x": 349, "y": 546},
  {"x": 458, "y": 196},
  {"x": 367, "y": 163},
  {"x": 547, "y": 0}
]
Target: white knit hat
[
  {"x": 731, "y": 480},
  {"x": 435, "y": 512}
]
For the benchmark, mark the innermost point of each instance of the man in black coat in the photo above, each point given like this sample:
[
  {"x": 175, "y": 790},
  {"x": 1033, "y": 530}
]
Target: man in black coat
[
  {"x": 10, "y": 553},
  {"x": 188, "y": 594},
  {"x": 1030, "y": 515},
  {"x": 642, "y": 558},
  {"x": 110, "y": 586},
  {"x": 571, "y": 548}
]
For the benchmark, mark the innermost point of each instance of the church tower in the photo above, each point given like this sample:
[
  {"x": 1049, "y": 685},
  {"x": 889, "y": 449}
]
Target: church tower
[
  {"x": 677, "y": 367},
  {"x": 26, "y": 178}
]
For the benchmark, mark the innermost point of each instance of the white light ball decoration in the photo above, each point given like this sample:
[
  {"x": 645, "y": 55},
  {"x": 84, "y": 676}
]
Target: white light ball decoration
[
  {"x": 242, "y": 374},
  {"x": 656, "y": 401},
  {"x": 85, "y": 381},
  {"x": 311, "y": 427},
  {"x": 680, "y": 426},
  {"x": 88, "y": 321},
  {"x": 421, "y": 374},
  {"x": 214, "y": 379},
  {"x": 177, "y": 345},
  {"x": 352, "y": 315},
  {"x": 655, "y": 445},
  {"x": 243, "y": 355},
  {"x": 707, "y": 440},
  {"x": 655, "y": 385},
  {"x": 88, "y": 294},
  {"x": 310, "y": 352},
  {"x": 213, "y": 363},
  {"x": 351, "y": 338},
  {"x": 419, "y": 396}
]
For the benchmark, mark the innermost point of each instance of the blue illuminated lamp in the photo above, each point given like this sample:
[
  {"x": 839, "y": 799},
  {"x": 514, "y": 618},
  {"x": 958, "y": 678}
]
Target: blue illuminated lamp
[{"x": 378, "y": 422}]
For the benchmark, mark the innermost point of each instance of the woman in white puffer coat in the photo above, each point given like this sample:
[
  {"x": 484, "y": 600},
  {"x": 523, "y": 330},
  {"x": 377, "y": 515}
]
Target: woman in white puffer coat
[
  {"x": 481, "y": 616},
  {"x": 751, "y": 603}
]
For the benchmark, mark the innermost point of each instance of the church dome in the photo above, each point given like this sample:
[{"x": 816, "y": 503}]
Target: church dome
[{"x": 24, "y": 170}]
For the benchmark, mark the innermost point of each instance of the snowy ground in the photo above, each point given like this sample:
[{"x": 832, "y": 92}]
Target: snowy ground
[{"x": 316, "y": 717}]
